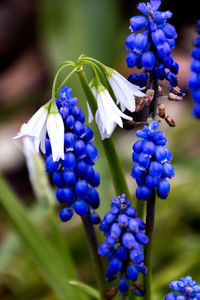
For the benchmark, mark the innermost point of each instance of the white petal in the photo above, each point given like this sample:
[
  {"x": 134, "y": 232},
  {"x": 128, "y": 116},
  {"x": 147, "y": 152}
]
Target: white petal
[
  {"x": 90, "y": 115},
  {"x": 55, "y": 128},
  {"x": 42, "y": 142},
  {"x": 23, "y": 132},
  {"x": 123, "y": 95},
  {"x": 36, "y": 123}
]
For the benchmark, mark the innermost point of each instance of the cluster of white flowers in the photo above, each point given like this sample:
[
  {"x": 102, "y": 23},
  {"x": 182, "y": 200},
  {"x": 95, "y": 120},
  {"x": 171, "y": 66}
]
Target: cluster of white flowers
[{"x": 107, "y": 116}]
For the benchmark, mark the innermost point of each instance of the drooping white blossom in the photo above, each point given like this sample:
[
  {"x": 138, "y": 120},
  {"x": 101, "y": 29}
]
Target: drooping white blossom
[
  {"x": 124, "y": 91},
  {"x": 107, "y": 114},
  {"x": 43, "y": 121},
  {"x": 55, "y": 129}
]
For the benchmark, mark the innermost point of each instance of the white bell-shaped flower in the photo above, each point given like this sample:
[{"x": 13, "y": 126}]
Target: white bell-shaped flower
[
  {"x": 107, "y": 114},
  {"x": 46, "y": 119},
  {"x": 124, "y": 91}
]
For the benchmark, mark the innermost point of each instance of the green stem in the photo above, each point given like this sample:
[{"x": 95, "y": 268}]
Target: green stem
[
  {"x": 150, "y": 218},
  {"x": 140, "y": 208},
  {"x": 116, "y": 169},
  {"x": 96, "y": 259},
  {"x": 56, "y": 77},
  {"x": 109, "y": 148},
  {"x": 60, "y": 243},
  {"x": 65, "y": 80}
]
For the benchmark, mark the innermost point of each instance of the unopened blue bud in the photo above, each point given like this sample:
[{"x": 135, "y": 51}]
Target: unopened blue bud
[
  {"x": 121, "y": 253},
  {"x": 143, "y": 160},
  {"x": 129, "y": 43},
  {"x": 81, "y": 208},
  {"x": 123, "y": 285},
  {"x": 131, "y": 59},
  {"x": 93, "y": 198},
  {"x": 140, "y": 42},
  {"x": 132, "y": 272},
  {"x": 69, "y": 141},
  {"x": 94, "y": 218},
  {"x": 51, "y": 165},
  {"x": 65, "y": 195},
  {"x": 66, "y": 214},
  {"x": 163, "y": 50},
  {"x": 80, "y": 149},
  {"x": 138, "y": 146},
  {"x": 58, "y": 179},
  {"x": 69, "y": 161},
  {"x": 136, "y": 256},
  {"x": 70, "y": 121},
  {"x": 168, "y": 170},
  {"x": 152, "y": 181},
  {"x": 91, "y": 151},
  {"x": 81, "y": 188},
  {"x": 158, "y": 37},
  {"x": 148, "y": 148},
  {"x": 78, "y": 129},
  {"x": 123, "y": 220},
  {"x": 138, "y": 22},
  {"x": 69, "y": 178},
  {"x": 155, "y": 169},
  {"x": 148, "y": 60},
  {"x": 169, "y": 31},
  {"x": 163, "y": 188},
  {"x": 141, "y": 237},
  {"x": 133, "y": 225}
]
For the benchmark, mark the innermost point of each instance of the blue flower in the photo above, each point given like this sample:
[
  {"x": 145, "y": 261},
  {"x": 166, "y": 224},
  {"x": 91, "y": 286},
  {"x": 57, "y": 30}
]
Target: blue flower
[
  {"x": 124, "y": 243},
  {"x": 151, "y": 49},
  {"x": 194, "y": 78},
  {"x": 186, "y": 288},
  {"x": 152, "y": 163},
  {"x": 74, "y": 175}
]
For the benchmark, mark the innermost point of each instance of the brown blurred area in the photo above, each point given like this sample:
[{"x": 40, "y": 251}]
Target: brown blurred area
[{"x": 24, "y": 78}]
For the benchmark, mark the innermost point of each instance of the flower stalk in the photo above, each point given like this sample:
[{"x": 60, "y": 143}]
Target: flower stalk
[
  {"x": 150, "y": 218},
  {"x": 96, "y": 259}
]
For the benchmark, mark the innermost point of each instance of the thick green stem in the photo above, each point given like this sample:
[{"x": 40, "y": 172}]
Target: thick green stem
[
  {"x": 116, "y": 169},
  {"x": 96, "y": 259},
  {"x": 109, "y": 148},
  {"x": 150, "y": 218},
  {"x": 140, "y": 208}
]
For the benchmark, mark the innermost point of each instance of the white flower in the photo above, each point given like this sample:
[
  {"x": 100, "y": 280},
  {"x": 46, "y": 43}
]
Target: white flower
[
  {"x": 36, "y": 128},
  {"x": 41, "y": 122},
  {"x": 55, "y": 129},
  {"x": 124, "y": 90},
  {"x": 107, "y": 114}
]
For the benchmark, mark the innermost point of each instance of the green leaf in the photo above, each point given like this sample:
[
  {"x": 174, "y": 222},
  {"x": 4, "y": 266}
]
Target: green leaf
[
  {"x": 43, "y": 254},
  {"x": 86, "y": 288}
]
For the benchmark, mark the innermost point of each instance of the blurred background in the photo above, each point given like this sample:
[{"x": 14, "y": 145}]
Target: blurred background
[{"x": 35, "y": 36}]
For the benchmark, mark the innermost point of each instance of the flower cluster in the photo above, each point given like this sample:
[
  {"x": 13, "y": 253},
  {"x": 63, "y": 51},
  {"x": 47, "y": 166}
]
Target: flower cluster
[
  {"x": 194, "y": 79},
  {"x": 123, "y": 244},
  {"x": 152, "y": 165},
  {"x": 151, "y": 49},
  {"x": 186, "y": 287},
  {"x": 74, "y": 175}
]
